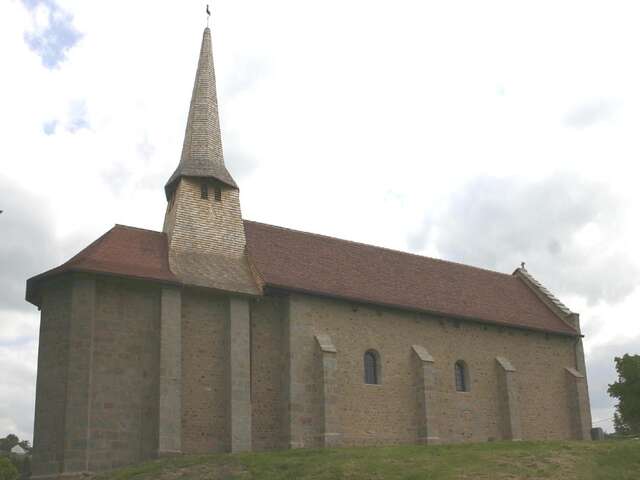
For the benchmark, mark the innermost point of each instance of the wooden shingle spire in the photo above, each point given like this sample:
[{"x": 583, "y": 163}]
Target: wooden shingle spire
[
  {"x": 202, "y": 149},
  {"x": 203, "y": 221}
]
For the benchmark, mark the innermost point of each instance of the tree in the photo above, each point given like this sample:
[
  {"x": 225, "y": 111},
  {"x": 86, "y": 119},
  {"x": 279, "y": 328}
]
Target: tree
[
  {"x": 7, "y": 470},
  {"x": 8, "y": 442},
  {"x": 626, "y": 420}
]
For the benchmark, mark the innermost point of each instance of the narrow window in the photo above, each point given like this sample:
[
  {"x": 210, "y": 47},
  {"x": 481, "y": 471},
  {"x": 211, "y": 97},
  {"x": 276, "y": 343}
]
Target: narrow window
[
  {"x": 204, "y": 191},
  {"x": 462, "y": 379},
  {"x": 217, "y": 194},
  {"x": 371, "y": 368}
]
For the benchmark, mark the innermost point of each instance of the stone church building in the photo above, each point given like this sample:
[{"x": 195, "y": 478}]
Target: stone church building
[{"x": 219, "y": 334}]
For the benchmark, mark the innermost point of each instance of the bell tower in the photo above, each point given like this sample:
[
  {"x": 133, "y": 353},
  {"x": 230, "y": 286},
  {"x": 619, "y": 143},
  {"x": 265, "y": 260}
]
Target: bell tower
[
  {"x": 206, "y": 249},
  {"x": 203, "y": 221}
]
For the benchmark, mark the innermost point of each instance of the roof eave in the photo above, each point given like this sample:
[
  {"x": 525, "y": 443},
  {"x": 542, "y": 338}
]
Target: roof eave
[
  {"x": 33, "y": 290},
  {"x": 171, "y": 184}
]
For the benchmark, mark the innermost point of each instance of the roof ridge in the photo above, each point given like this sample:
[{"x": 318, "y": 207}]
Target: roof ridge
[
  {"x": 129, "y": 227},
  {"x": 89, "y": 248},
  {"x": 402, "y": 252}
]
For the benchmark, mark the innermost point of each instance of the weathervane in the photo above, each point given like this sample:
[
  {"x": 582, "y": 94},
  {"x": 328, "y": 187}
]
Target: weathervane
[{"x": 208, "y": 15}]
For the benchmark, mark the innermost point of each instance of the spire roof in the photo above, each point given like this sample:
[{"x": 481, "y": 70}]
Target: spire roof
[{"x": 202, "y": 149}]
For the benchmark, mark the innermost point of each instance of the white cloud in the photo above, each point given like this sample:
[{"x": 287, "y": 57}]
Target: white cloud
[
  {"x": 555, "y": 224},
  {"x": 18, "y": 356},
  {"x": 591, "y": 113}
]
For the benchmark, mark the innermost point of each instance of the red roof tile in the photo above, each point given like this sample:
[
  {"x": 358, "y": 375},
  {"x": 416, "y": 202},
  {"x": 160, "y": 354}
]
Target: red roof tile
[
  {"x": 305, "y": 262},
  {"x": 123, "y": 251}
]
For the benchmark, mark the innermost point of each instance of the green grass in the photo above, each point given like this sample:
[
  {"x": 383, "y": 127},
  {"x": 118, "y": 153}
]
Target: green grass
[{"x": 619, "y": 460}]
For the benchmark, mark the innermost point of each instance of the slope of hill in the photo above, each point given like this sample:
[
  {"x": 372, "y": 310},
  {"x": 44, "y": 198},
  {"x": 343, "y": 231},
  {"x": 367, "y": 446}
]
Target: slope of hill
[{"x": 617, "y": 460}]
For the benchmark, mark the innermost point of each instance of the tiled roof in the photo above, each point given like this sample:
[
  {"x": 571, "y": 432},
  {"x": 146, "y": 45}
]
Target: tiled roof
[
  {"x": 557, "y": 304},
  {"x": 287, "y": 259},
  {"x": 123, "y": 251},
  {"x": 300, "y": 261}
]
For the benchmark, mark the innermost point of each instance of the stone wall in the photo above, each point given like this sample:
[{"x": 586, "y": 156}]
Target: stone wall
[
  {"x": 204, "y": 367},
  {"x": 386, "y": 413},
  {"x": 267, "y": 364},
  {"x": 170, "y": 380},
  {"x": 53, "y": 351},
  {"x": 300, "y": 366},
  {"x": 301, "y": 387},
  {"x": 124, "y": 389},
  {"x": 97, "y": 391}
]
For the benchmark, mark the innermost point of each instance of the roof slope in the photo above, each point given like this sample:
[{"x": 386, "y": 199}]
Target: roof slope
[
  {"x": 124, "y": 251},
  {"x": 301, "y": 261},
  {"x": 305, "y": 262},
  {"x": 555, "y": 302}
]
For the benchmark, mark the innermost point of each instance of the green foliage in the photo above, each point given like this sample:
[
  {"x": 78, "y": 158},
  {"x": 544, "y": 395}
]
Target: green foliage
[
  {"x": 626, "y": 420},
  {"x": 22, "y": 464},
  {"x": 7, "y": 470},
  {"x": 8, "y": 442}
]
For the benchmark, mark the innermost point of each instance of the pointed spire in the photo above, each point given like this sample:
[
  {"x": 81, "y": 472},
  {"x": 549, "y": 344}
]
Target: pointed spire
[{"x": 202, "y": 149}]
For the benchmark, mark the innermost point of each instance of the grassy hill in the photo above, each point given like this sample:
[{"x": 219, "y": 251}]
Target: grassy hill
[{"x": 617, "y": 460}]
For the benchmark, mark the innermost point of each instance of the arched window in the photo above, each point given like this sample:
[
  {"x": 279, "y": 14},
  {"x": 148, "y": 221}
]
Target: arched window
[
  {"x": 462, "y": 376},
  {"x": 371, "y": 367}
]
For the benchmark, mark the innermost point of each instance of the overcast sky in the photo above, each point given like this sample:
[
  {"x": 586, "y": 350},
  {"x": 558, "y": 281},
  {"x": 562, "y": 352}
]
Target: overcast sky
[{"x": 488, "y": 132}]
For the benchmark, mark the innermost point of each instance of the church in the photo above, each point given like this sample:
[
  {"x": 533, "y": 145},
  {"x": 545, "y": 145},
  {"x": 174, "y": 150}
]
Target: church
[{"x": 220, "y": 334}]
